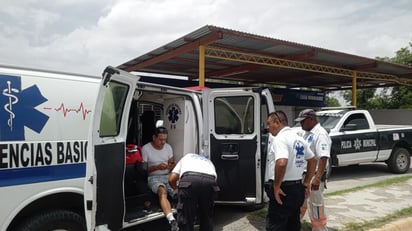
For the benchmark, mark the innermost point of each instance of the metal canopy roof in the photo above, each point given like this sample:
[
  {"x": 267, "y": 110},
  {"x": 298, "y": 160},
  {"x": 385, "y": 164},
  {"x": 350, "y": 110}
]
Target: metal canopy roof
[{"x": 253, "y": 59}]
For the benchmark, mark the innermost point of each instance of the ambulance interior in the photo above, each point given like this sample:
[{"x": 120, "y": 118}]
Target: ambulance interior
[{"x": 177, "y": 114}]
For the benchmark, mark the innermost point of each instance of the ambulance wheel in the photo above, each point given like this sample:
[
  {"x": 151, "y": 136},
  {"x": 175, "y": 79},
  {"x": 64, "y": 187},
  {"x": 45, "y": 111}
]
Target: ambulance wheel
[
  {"x": 400, "y": 161},
  {"x": 55, "y": 220}
]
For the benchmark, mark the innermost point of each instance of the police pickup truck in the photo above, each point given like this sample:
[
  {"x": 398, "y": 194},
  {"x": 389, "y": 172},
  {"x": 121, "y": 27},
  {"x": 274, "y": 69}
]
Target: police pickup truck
[{"x": 357, "y": 139}]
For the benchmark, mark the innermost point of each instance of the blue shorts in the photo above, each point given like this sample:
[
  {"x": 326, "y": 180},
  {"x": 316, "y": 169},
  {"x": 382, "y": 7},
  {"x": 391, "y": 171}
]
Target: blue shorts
[{"x": 154, "y": 182}]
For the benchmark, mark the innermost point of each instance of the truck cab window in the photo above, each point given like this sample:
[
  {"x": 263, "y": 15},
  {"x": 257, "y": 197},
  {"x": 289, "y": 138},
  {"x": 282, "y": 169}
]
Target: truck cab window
[{"x": 357, "y": 121}]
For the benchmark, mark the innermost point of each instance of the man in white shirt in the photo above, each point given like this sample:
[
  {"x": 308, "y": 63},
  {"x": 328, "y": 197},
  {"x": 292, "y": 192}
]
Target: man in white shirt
[
  {"x": 197, "y": 190},
  {"x": 320, "y": 144},
  {"x": 287, "y": 192},
  {"x": 159, "y": 157}
]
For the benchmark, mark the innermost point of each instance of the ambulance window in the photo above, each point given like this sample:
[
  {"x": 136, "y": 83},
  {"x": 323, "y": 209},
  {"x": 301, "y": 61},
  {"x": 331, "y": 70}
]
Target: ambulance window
[
  {"x": 113, "y": 104},
  {"x": 234, "y": 115}
]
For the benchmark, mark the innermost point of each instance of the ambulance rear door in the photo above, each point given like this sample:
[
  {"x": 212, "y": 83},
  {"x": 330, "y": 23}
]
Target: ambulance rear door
[
  {"x": 232, "y": 139},
  {"x": 104, "y": 197}
]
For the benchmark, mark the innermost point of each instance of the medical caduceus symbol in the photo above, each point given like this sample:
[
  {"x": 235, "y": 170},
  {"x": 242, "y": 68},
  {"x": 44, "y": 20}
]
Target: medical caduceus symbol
[{"x": 8, "y": 92}]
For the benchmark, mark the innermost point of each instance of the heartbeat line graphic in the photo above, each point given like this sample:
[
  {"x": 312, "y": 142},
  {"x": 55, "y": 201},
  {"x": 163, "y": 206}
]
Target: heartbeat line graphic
[{"x": 65, "y": 110}]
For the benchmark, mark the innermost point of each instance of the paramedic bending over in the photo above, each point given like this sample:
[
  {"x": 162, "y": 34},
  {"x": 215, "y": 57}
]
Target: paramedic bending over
[
  {"x": 159, "y": 156},
  {"x": 196, "y": 192}
]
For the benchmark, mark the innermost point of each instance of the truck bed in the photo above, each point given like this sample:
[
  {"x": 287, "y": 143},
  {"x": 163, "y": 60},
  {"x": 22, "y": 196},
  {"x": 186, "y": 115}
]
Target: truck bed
[{"x": 389, "y": 127}]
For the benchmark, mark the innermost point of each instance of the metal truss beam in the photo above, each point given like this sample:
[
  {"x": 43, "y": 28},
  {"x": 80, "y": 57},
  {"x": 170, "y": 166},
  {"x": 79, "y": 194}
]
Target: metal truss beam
[{"x": 219, "y": 53}]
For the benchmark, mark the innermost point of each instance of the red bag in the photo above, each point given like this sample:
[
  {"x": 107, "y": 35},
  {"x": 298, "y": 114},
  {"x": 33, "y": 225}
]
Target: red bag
[{"x": 133, "y": 154}]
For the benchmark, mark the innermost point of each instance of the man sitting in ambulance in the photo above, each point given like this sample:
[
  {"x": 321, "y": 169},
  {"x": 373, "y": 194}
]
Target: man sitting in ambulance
[{"x": 159, "y": 156}]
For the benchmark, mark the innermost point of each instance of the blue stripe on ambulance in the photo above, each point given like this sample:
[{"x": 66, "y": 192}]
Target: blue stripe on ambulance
[{"x": 19, "y": 176}]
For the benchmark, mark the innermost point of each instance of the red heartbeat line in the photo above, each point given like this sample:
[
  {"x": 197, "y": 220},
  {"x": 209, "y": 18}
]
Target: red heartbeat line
[{"x": 67, "y": 110}]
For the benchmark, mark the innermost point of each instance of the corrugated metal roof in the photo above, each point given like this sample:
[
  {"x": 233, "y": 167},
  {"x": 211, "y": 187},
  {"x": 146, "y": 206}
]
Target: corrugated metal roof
[{"x": 265, "y": 60}]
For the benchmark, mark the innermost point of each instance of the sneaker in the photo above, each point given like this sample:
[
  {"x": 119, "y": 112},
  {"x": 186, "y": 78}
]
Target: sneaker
[{"x": 174, "y": 226}]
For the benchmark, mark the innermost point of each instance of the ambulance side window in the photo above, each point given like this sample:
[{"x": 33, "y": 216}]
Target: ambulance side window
[
  {"x": 113, "y": 105},
  {"x": 234, "y": 115}
]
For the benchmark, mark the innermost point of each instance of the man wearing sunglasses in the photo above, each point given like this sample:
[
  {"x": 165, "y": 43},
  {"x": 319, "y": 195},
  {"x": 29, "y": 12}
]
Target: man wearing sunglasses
[{"x": 285, "y": 189}]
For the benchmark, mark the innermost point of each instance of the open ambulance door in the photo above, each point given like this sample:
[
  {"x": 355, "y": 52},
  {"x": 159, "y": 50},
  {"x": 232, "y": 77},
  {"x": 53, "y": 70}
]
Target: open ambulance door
[
  {"x": 104, "y": 197},
  {"x": 232, "y": 120}
]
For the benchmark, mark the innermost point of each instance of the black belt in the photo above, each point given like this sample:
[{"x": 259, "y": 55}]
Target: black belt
[
  {"x": 291, "y": 182},
  {"x": 198, "y": 174}
]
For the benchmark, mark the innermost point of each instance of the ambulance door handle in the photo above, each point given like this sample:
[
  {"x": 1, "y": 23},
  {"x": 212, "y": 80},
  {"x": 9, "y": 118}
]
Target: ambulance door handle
[
  {"x": 230, "y": 151},
  {"x": 229, "y": 157}
]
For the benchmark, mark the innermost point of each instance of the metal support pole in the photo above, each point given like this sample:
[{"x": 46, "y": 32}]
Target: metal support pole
[
  {"x": 201, "y": 66},
  {"x": 354, "y": 82}
]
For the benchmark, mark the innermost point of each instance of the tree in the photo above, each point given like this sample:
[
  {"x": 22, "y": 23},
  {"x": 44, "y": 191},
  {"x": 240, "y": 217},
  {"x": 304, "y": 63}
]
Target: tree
[
  {"x": 399, "y": 97},
  {"x": 364, "y": 98},
  {"x": 390, "y": 97},
  {"x": 403, "y": 56},
  {"x": 332, "y": 101}
]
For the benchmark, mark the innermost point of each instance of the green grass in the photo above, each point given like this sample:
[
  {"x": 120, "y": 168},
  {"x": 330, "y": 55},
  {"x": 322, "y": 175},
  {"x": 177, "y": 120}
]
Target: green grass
[
  {"x": 363, "y": 226},
  {"x": 382, "y": 183},
  {"x": 379, "y": 222}
]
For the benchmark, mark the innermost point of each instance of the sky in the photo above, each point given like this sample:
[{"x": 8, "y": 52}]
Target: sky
[{"x": 85, "y": 36}]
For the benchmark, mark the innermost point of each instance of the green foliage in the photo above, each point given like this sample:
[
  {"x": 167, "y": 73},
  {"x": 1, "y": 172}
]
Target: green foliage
[
  {"x": 401, "y": 98},
  {"x": 403, "y": 56},
  {"x": 365, "y": 98},
  {"x": 332, "y": 101},
  {"x": 386, "y": 98}
]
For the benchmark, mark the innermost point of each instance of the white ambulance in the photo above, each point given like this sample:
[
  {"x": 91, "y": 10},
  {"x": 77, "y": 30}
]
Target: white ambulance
[
  {"x": 44, "y": 121},
  {"x": 227, "y": 125}
]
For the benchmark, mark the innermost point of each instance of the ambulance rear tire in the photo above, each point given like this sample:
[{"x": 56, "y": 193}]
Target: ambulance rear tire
[{"x": 55, "y": 220}]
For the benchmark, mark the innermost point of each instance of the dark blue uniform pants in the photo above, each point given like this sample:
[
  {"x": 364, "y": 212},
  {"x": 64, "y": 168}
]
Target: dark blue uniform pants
[
  {"x": 286, "y": 217},
  {"x": 196, "y": 196}
]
